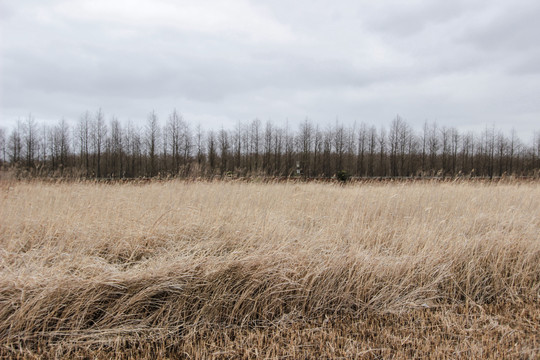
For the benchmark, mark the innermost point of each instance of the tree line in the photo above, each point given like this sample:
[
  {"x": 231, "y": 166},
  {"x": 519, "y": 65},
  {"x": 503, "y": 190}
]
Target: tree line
[{"x": 97, "y": 147}]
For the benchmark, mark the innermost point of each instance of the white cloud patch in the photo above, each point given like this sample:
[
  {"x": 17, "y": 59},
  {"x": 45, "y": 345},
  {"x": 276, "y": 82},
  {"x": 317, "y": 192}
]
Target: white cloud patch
[{"x": 219, "y": 18}]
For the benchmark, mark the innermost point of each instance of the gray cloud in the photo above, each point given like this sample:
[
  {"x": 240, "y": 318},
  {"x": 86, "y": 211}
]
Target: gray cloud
[
  {"x": 218, "y": 62},
  {"x": 508, "y": 29},
  {"x": 405, "y": 19}
]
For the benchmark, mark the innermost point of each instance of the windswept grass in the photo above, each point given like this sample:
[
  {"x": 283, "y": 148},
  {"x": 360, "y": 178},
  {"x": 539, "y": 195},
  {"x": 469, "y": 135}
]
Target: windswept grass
[{"x": 227, "y": 270}]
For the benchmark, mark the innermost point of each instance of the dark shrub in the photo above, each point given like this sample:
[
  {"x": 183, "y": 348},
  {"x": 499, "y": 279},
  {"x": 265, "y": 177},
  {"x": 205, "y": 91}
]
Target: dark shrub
[{"x": 343, "y": 176}]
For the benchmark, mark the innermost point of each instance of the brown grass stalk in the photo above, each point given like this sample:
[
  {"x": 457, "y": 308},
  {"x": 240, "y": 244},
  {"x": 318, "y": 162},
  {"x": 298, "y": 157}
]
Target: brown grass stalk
[{"x": 246, "y": 270}]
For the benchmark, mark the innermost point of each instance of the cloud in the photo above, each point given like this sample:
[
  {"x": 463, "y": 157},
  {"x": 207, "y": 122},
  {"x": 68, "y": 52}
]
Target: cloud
[
  {"x": 220, "y": 18},
  {"x": 509, "y": 27},
  {"x": 222, "y": 61},
  {"x": 402, "y": 19}
]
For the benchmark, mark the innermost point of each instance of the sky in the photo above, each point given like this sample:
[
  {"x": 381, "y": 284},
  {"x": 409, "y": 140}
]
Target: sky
[{"x": 467, "y": 64}]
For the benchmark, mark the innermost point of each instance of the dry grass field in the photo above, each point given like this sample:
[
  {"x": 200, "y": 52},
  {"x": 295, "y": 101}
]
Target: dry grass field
[{"x": 247, "y": 270}]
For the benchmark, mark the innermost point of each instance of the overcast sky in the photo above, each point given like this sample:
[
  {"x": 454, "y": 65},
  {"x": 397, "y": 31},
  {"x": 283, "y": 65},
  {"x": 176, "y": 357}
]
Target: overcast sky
[{"x": 461, "y": 63}]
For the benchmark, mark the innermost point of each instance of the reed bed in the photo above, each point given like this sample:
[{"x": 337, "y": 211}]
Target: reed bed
[{"x": 245, "y": 270}]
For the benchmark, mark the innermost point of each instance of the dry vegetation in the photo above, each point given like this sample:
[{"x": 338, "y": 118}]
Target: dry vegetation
[{"x": 236, "y": 270}]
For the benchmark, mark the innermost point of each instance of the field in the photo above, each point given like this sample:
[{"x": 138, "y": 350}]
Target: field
[{"x": 201, "y": 270}]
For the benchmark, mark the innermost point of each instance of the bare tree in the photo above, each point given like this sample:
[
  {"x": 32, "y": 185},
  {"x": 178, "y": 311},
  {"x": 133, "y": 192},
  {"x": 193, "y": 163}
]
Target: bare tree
[
  {"x": 445, "y": 137},
  {"x": 212, "y": 153},
  {"x": 425, "y": 136},
  {"x": 412, "y": 151},
  {"x": 289, "y": 150},
  {"x": 62, "y": 138},
  {"x": 339, "y": 145},
  {"x": 116, "y": 148},
  {"x": 99, "y": 134},
  {"x": 467, "y": 145},
  {"x": 304, "y": 142},
  {"x": 382, "y": 151},
  {"x": 152, "y": 142},
  {"x": 186, "y": 145},
  {"x": 30, "y": 140},
  {"x": 199, "y": 143},
  {"x": 84, "y": 140},
  {"x": 512, "y": 149},
  {"x": 132, "y": 146},
  {"x": 404, "y": 138},
  {"x": 15, "y": 144},
  {"x": 433, "y": 146},
  {"x": 488, "y": 137},
  {"x": 362, "y": 142},
  {"x": 327, "y": 153},
  {"x": 99, "y": 149},
  {"x": 536, "y": 151},
  {"x": 397, "y": 139},
  {"x": 278, "y": 148},
  {"x": 43, "y": 148},
  {"x": 267, "y": 147},
  {"x": 255, "y": 141},
  {"x": 317, "y": 150},
  {"x": 350, "y": 148},
  {"x": 536, "y": 144},
  {"x": 173, "y": 134},
  {"x": 454, "y": 138},
  {"x": 501, "y": 148},
  {"x": 393, "y": 139},
  {"x": 223, "y": 141},
  {"x": 372, "y": 145},
  {"x": 237, "y": 146},
  {"x": 3, "y": 145}
]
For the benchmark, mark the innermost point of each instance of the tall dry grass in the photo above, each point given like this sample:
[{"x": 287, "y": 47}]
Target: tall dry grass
[{"x": 226, "y": 270}]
